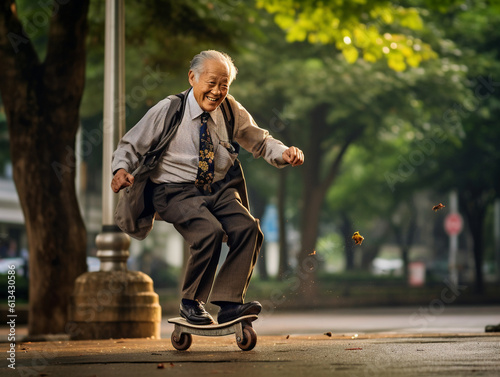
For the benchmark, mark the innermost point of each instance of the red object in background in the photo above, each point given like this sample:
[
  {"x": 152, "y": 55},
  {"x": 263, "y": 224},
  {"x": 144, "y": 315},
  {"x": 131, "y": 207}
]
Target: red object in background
[{"x": 453, "y": 224}]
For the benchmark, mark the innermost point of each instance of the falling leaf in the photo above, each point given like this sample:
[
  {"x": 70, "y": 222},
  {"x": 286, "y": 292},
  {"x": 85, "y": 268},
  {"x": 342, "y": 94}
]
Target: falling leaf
[
  {"x": 358, "y": 239},
  {"x": 438, "y": 207},
  {"x": 313, "y": 253},
  {"x": 328, "y": 334},
  {"x": 288, "y": 336}
]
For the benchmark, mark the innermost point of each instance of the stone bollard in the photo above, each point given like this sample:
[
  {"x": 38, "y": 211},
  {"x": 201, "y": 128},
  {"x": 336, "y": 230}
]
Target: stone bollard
[{"x": 114, "y": 304}]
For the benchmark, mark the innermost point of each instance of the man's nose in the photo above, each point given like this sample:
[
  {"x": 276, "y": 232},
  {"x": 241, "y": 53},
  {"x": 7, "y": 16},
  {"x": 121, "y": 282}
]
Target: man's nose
[{"x": 217, "y": 90}]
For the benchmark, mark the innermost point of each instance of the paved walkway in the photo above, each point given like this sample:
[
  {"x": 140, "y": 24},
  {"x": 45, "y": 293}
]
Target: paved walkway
[
  {"x": 320, "y": 355},
  {"x": 358, "y": 342}
]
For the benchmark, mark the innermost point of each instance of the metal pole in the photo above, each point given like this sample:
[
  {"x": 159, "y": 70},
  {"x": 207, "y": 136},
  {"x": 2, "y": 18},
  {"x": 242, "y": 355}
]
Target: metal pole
[
  {"x": 131, "y": 308},
  {"x": 496, "y": 234},
  {"x": 112, "y": 244},
  {"x": 453, "y": 250}
]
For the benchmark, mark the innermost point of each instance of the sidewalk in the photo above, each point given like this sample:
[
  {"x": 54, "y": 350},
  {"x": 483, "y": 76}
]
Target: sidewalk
[
  {"x": 360, "y": 342},
  {"x": 294, "y": 355}
]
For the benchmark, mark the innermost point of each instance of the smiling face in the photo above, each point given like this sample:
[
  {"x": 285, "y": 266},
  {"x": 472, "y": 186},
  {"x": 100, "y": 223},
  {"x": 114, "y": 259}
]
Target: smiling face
[{"x": 212, "y": 85}]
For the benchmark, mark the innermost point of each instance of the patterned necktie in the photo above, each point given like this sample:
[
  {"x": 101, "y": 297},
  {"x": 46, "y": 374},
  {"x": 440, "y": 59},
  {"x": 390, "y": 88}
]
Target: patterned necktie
[{"x": 206, "y": 166}]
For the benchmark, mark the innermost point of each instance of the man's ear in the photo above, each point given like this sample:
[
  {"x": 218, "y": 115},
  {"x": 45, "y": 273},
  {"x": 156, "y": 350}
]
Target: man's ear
[{"x": 191, "y": 77}]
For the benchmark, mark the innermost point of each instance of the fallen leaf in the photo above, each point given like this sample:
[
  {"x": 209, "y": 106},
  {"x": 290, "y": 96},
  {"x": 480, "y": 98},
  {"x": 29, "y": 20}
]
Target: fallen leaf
[
  {"x": 160, "y": 366},
  {"x": 438, "y": 207},
  {"x": 358, "y": 239}
]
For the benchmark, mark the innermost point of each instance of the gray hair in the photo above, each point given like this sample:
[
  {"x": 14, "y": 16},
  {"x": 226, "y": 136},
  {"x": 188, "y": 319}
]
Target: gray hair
[{"x": 198, "y": 62}]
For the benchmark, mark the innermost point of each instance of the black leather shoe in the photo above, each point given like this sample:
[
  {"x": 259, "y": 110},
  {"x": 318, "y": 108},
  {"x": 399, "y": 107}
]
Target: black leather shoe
[
  {"x": 194, "y": 312},
  {"x": 231, "y": 312}
]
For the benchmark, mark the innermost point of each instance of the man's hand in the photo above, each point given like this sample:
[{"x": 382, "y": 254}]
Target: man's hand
[
  {"x": 293, "y": 156},
  {"x": 121, "y": 179}
]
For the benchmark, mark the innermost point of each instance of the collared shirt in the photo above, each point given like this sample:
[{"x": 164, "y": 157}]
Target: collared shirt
[{"x": 179, "y": 163}]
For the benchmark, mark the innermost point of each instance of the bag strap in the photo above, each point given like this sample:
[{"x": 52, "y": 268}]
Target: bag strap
[
  {"x": 227, "y": 112},
  {"x": 172, "y": 121}
]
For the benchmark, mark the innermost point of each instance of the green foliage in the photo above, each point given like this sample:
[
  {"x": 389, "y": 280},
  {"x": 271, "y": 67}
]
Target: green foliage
[
  {"x": 378, "y": 29},
  {"x": 161, "y": 38},
  {"x": 472, "y": 163}
]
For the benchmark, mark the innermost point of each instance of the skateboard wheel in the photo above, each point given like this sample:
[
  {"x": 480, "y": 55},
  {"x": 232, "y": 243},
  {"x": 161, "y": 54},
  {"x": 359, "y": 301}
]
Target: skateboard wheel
[
  {"x": 183, "y": 343},
  {"x": 249, "y": 339}
]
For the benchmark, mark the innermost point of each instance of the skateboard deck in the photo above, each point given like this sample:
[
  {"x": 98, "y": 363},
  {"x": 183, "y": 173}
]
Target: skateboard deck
[{"x": 246, "y": 337}]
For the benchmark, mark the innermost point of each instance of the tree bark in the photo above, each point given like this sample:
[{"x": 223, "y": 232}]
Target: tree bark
[
  {"x": 283, "y": 247},
  {"x": 42, "y": 105},
  {"x": 347, "y": 232},
  {"x": 404, "y": 233},
  {"x": 258, "y": 206},
  {"x": 314, "y": 193},
  {"x": 474, "y": 206}
]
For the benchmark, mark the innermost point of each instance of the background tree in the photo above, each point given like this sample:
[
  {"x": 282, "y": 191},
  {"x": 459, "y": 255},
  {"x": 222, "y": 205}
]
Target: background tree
[
  {"x": 376, "y": 29},
  {"x": 43, "y": 117},
  {"x": 338, "y": 104},
  {"x": 471, "y": 163}
]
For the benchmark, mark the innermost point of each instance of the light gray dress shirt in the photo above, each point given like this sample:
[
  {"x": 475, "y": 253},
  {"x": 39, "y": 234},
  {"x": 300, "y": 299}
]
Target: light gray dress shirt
[{"x": 179, "y": 163}]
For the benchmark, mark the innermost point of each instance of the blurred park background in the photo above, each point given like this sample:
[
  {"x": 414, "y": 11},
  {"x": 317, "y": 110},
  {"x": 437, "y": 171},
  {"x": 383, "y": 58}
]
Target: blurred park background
[{"x": 396, "y": 105}]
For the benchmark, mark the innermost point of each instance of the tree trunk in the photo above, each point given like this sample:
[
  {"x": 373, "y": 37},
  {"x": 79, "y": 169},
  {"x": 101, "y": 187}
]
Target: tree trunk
[
  {"x": 42, "y": 105},
  {"x": 307, "y": 263},
  {"x": 314, "y": 193},
  {"x": 284, "y": 266},
  {"x": 258, "y": 206},
  {"x": 475, "y": 211},
  {"x": 476, "y": 232},
  {"x": 312, "y": 200},
  {"x": 347, "y": 232}
]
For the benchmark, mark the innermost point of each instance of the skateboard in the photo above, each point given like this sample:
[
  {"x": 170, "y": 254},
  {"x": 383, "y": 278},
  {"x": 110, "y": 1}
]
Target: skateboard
[{"x": 246, "y": 337}]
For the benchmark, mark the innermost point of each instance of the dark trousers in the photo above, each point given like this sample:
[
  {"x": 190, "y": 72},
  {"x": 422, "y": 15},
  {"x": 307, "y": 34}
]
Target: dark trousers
[{"x": 203, "y": 220}]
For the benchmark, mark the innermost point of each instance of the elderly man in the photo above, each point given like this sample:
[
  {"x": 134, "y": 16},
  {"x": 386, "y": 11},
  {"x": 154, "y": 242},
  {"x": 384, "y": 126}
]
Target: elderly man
[{"x": 193, "y": 189}]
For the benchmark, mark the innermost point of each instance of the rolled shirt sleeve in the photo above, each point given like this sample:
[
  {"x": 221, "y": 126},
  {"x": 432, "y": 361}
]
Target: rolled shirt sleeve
[{"x": 254, "y": 139}]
